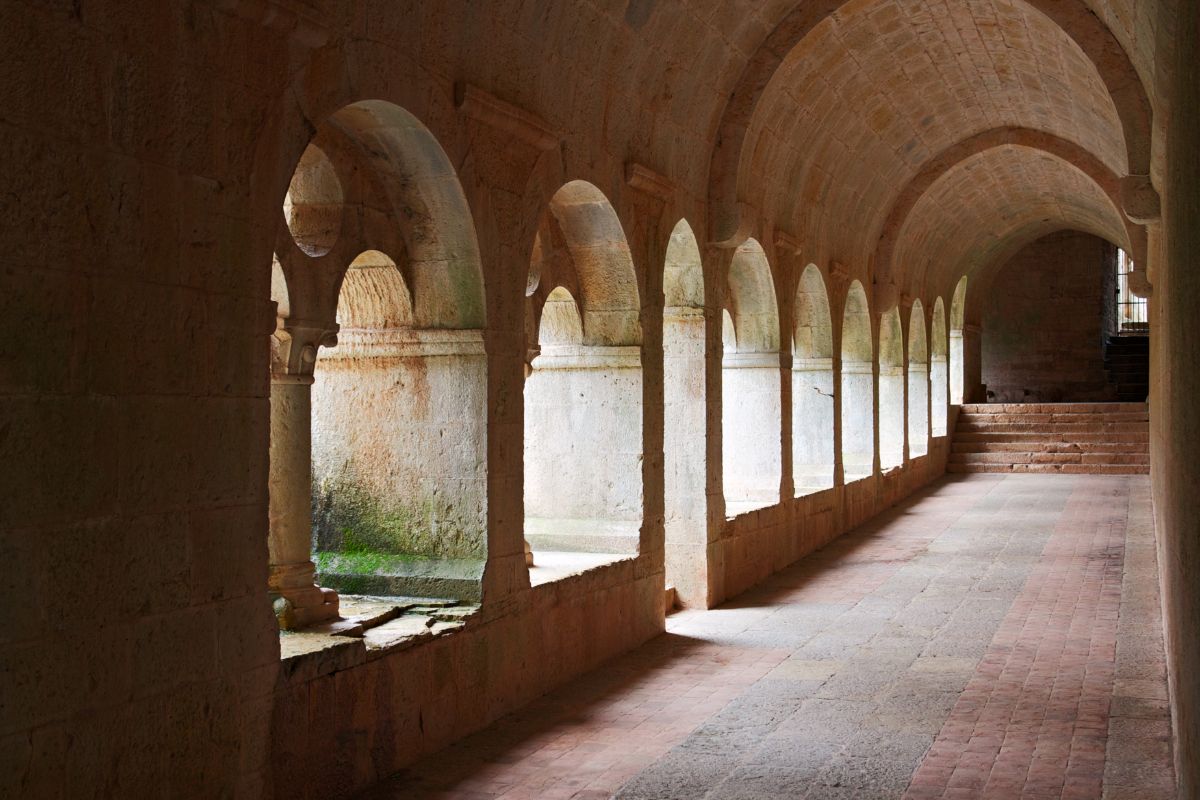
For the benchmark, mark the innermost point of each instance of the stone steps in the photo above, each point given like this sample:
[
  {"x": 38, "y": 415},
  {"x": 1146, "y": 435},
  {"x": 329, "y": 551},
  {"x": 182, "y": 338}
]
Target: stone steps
[
  {"x": 1049, "y": 458},
  {"x": 1065, "y": 438},
  {"x": 1049, "y": 447},
  {"x": 1060, "y": 469},
  {"x": 989, "y": 436}
]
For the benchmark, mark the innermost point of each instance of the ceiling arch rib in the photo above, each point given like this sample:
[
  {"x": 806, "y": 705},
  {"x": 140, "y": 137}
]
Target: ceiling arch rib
[
  {"x": 792, "y": 39},
  {"x": 838, "y": 136},
  {"x": 947, "y": 160},
  {"x": 986, "y": 205}
]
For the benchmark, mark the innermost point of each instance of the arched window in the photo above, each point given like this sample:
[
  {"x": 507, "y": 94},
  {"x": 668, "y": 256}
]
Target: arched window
[
  {"x": 389, "y": 402},
  {"x": 377, "y": 272},
  {"x": 812, "y": 386},
  {"x": 685, "y": 412},
  {"x": 918, "y": 383},
  {"x": 891, "y": 390},
  {"x": 957, "y": 311},
  {"x": 938, "y": 370},
  {"x": 751, "y": 389},
  {"x": 583, "y": 393},
  {"x": 857, "y": 387}
]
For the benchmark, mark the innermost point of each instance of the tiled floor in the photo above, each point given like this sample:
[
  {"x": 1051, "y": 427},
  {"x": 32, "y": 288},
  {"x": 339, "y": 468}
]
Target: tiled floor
[{"x": 994, "y": 637}]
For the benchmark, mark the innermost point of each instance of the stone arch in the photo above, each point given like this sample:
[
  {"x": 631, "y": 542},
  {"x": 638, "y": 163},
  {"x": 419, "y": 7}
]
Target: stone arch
[
  {"x": 939, "y": 385},
  {"x": 583, "y": 390},
  {"x": 383, "y": 522},
  {"x": 373, "y": 295},
  {"x": 373, "y": 235},
  {"x": 560, "y": 323},
  {"x": 918, "y": 383},
  {"x": 398, "y": 184},
  {"x": 751, "y": 389},
  {"x": 684, "y": 418},
  {"x": 891, "y": 390},
  {"x": 312, "y": 207},
  {"x": 683, "y": 270},
  {"x": 856, "y": 387},
  {"x": 966, "y": 149},
  {"x": 752, "y": 301},
  {"x": 958, "y": 304},
  {"x": 812, "y": 385},
  {"x": 728, "y": 221},
  {"x": 582, "y": 244}
]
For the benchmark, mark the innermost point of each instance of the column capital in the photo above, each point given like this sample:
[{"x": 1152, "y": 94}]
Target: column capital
[{"x": 294, "y": 345}]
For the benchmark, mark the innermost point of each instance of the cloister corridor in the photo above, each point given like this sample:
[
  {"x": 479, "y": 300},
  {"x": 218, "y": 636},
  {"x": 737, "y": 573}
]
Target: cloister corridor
[{"x": 992, "y": 636}]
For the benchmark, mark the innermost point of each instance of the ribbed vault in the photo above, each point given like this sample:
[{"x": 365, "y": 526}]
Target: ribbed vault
[
  {"x": 992, "y": 204},
  {"x": 880, "y": 88}
]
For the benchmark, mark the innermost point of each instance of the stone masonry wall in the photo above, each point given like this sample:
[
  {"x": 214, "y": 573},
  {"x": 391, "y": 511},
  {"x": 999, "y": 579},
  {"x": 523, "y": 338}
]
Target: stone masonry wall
[
  {"x": 1044, "y": 322},
  {"x": 145, "y": 152}
]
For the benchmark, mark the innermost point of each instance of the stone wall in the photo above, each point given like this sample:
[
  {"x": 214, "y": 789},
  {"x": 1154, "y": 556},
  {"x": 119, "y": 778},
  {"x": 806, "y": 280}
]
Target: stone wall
[
  {"x": 146, "y": 149},
  {"x": 1044, "y": 322}
]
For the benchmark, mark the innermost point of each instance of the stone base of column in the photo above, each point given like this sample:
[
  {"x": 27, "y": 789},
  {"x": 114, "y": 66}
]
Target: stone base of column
[{"x": 298, "y": 601}]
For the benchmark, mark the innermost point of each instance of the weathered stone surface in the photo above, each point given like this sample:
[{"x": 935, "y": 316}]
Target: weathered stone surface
[{"x": 179, "y": 177}]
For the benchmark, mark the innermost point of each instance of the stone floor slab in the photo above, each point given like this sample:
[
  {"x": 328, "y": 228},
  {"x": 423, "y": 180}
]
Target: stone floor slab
[{"x": 993, "y": 637}]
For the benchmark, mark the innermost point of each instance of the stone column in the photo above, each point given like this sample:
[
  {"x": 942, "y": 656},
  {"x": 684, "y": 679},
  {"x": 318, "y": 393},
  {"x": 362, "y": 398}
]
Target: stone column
[
  {"x": 297, "y": 599},
  {"x": 1175, "y": 397}
]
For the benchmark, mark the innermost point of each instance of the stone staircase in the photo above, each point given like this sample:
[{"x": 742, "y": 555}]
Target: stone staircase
[{"x": 1090, "y": 438}]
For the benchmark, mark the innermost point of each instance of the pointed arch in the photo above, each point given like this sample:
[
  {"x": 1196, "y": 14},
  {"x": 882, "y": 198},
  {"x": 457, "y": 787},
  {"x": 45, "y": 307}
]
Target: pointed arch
[{"x": 683, "y": 272}]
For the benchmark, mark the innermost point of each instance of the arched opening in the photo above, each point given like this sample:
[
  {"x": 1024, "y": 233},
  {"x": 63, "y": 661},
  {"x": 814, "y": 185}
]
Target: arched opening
[
  {"x": 939, "y": 397},
  {"x": 312, "y": 207},
  {"x": 751, "y": 390},
  {"x": 684, "y": 396},
  {"x": 377, "y": 263},
  {"x": 812, "y": 386},
  {"x": 857, "y": 387},
  {"x": 583, "y": 390},
  {"x": 399, "y": 455},
  {"x": 957, "y": 310},
  {"x": 891, "y": 390},
  {"x": 918, "y": 383}
]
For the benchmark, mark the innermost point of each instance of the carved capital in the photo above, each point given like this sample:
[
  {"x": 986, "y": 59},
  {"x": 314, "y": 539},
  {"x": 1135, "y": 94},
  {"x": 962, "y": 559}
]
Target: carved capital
[{"x": 294, "y": 346}]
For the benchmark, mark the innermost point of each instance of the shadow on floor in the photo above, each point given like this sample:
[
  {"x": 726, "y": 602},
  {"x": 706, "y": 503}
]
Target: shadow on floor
[{"x": 535, "y": 728}]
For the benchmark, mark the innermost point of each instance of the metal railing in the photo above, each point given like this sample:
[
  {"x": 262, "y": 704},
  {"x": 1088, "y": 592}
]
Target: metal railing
[{"x": 1132, "y": 311}]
